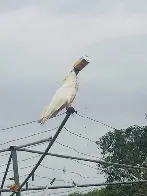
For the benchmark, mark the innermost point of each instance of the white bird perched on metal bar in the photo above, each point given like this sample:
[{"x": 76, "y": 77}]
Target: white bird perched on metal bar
[{"x": 63, "y": 97}]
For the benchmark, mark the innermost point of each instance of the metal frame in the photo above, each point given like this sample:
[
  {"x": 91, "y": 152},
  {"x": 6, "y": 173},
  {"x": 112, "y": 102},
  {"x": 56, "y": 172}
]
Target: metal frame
[
  {"x": 6, "y": 171},
  {"x": 13, "y": 157},
  {"x": 15, "y": 167},
  {"x": 84, "y": 159},
  {"x": 34, "y": 143},
  {"x": 79, "y": 186},
  {"x": 68, "y": 113}
]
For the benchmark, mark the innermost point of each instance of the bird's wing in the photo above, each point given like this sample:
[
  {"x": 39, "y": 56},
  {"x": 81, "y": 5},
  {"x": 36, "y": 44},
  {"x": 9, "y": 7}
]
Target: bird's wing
[{"x": 58, "y": 103}]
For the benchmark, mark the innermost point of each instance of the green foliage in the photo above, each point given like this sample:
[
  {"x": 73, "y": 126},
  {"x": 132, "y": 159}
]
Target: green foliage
[
  {"x": 75, "y": 194},
  {"x": 121, "y": 190},
  {"x": 91, "y": 193},
  {"x": 127, "y": 146}
]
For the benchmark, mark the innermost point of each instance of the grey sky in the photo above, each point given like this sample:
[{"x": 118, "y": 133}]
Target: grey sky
[{"x": 40, "y": 41}]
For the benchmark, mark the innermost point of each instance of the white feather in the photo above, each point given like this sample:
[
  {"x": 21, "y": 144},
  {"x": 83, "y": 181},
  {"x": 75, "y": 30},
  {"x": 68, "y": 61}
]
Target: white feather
[{"x": 63, "y": 97}]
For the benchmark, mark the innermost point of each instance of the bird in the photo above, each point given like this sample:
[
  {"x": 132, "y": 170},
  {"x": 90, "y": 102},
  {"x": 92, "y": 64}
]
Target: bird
[{"x": 63, "y": 97}]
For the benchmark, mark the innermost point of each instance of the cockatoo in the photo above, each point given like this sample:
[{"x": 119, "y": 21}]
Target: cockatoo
[{"x": 63, "y": 97}]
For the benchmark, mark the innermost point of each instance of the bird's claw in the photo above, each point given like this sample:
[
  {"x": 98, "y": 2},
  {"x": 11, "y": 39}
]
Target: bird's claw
[{"x": 70, "y": 110}]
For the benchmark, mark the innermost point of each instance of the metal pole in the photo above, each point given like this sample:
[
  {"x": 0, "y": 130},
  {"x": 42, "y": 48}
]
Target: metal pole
[
  {"x": 27, "y": 186},
  {"x": 85, "y": 159},
  {"x": 69, "y": 112},
  {"x": 15, "y": 167},
  {"x": 5, "y": 150},
  {"x": 5, "y": 175},
  {"x": 80, "y": 186},
  {"x": 34, "y": 143}
]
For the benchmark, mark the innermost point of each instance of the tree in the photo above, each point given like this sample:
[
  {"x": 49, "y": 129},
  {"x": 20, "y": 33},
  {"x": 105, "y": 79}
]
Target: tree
[
  {"x": 126, "y": 146},
  {"x": 91, "y": 193}
]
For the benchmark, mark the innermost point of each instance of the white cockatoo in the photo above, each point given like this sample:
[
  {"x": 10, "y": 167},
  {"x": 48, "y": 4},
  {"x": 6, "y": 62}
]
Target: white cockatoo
[{"x": 63, "y": 97}]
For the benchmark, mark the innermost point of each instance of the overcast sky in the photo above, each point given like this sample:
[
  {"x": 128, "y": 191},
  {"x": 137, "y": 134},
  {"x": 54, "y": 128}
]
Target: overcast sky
[{"x": 39, "y": 42}]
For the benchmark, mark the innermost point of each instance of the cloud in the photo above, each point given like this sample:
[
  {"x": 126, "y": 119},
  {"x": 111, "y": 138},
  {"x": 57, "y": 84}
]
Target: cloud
[
  {"x": 37, "y": 42},
  {"x": 40, "y": 41}
]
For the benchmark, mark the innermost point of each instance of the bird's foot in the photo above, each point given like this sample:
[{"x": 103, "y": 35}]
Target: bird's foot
[{"x": 70, "y": 110}]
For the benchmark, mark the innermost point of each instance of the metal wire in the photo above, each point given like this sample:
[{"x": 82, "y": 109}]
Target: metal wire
[
  {"x": 45, "y": 177},
  {"x": 85, "y": 165},
  {"x": 28, "y": 136},
  {"x": 79, "y": 135},
  {"x": 20, "y": 168},
  {"x": 27, "y": 123},
  {"x": 19, "y": 125},
  {"x": 72, "y": 172},
  {"x": 82, "y": 153},
  {"x": 86, "y": 117},
  {"x": 22, "y": 160}
]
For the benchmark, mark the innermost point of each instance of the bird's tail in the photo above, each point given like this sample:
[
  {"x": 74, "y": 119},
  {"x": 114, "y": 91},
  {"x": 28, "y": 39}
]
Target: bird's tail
[
  {"x": 45, "y": 118},
  {"x": 50, "y": 112},
  {"x": 42, "y": 121},
  {"x": 46, "y": 114}
]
